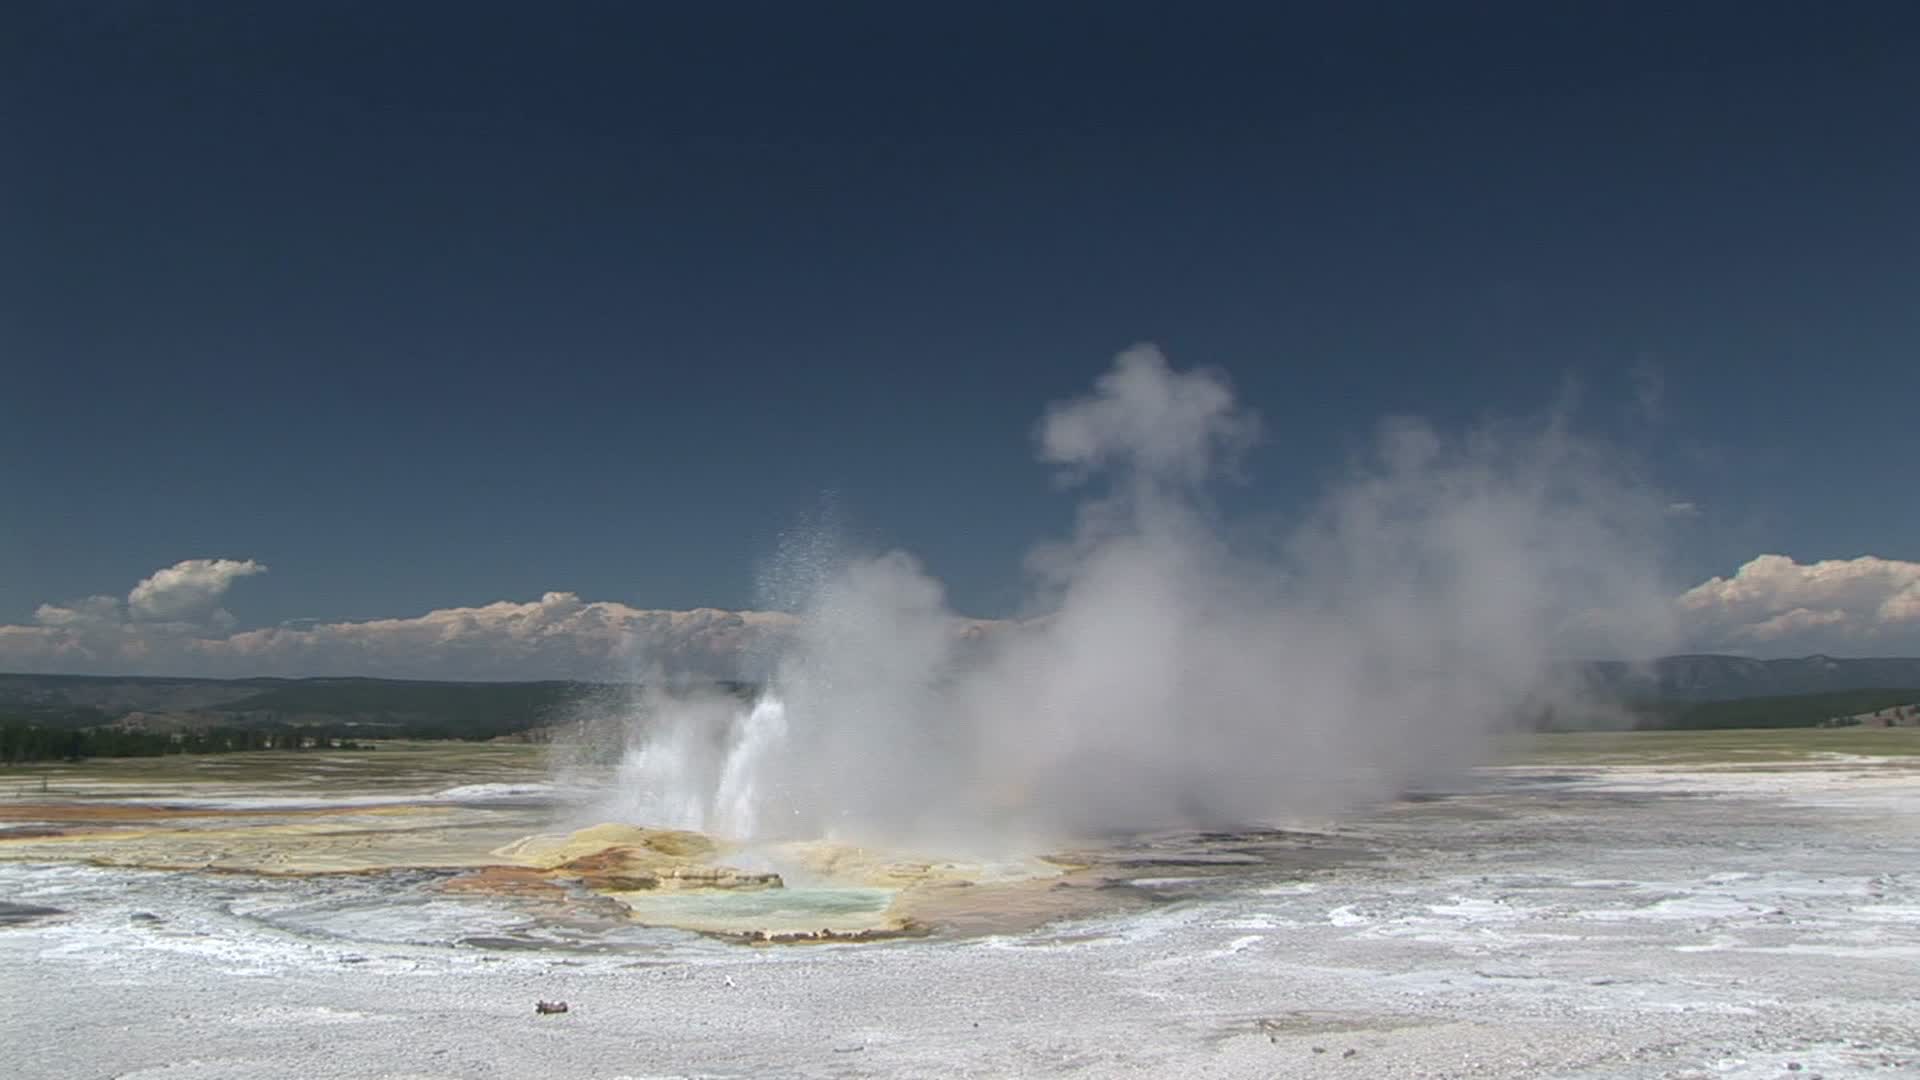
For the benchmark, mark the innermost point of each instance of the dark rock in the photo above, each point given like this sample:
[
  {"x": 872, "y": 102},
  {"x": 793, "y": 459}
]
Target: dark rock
[{"x": 12, "y": 914}]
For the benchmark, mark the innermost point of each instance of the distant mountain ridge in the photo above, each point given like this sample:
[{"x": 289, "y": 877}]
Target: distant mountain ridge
[
  {"x": 1684, "y": 678},
  {"x": 365, "y": 707},
  {"x": 1710, "y": 677},
  {"x": 1692, "y": 691}
]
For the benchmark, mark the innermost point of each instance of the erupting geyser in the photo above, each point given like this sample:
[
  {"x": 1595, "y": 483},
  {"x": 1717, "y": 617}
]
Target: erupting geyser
[{"x": 1174, "y": 671}]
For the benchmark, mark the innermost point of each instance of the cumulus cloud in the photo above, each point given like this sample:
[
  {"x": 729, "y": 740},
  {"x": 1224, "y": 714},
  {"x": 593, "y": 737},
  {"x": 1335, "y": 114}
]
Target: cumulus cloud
[
  {"x": 189, "y": 590},
  {"x": 94, "y": 611},
  {"x": 557, "y": 636},
  {"x": 1834, "y": 605},
  {"x": 171, "y": 624}
]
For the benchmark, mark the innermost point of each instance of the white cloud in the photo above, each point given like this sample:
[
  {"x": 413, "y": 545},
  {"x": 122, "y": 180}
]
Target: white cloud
[
  {"x": 92, "y": 611},
  {"x": 557, "y": 636},
  {"x": 1835, "y": 605},
  {"x": 189, "y": 590},
  {"x": 1788, "y": 623},
  {"x": 171, "y": 624},
  {"x": 1683, "y": 508}
]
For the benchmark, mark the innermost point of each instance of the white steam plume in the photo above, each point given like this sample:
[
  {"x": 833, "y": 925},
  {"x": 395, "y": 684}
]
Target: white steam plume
[{"x": 1175, "y": 679}]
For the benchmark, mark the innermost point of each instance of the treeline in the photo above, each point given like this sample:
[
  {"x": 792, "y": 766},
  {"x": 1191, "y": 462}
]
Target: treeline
[
  {"x": 28, "y": 742},
  {"x": 59, "y": 718},
  {"x": 357, "y": 707},
  {"x": 1796, "y": 710},
  {"x": 416, "y": 710}
]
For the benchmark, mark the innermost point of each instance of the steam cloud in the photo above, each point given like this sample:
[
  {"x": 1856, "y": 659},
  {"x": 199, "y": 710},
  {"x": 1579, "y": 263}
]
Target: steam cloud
[{"x": 1178, "y": 675}]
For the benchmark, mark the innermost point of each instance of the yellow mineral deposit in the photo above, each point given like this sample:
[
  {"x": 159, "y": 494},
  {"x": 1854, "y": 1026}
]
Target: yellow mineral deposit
[{"x": 169, "y": 816}]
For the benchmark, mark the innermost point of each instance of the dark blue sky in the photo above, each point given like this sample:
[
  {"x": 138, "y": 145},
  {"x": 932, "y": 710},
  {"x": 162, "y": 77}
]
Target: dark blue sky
[{"x": 455, "y": 303}]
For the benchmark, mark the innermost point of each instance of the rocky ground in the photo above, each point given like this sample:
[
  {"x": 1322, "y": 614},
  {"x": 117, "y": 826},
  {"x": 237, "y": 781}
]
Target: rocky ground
[{"x": 1575, "y": 921}]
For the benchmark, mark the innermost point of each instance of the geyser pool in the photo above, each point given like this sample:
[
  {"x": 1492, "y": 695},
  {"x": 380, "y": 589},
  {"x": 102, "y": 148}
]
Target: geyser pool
[{"x": 786, "y": 910}]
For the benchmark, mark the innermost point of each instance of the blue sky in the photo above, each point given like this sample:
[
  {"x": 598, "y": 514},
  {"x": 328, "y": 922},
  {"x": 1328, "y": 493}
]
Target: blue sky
[{"x": 467, "y": 303}]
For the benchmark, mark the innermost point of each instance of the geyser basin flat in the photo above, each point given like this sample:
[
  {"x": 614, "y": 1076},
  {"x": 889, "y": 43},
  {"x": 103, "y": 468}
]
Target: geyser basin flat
[
  {"x": 403, "y": 809},
  {"x": 1663, "y": 918},
  {"x": 405, "y": 805}
]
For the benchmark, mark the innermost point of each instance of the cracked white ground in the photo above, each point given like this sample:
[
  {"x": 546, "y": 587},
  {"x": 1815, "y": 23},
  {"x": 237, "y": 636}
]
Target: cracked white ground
[{"x": 1562, "y": 920}]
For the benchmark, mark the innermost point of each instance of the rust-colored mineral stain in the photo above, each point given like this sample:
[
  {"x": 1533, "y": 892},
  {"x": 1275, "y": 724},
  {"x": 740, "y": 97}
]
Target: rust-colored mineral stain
[{"x": 518, "y": 881}]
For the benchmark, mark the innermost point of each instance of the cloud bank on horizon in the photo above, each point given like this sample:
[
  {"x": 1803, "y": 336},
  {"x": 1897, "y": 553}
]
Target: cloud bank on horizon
[
  {"x": 171, "y": 623},
  {"x": 558, "y": 636}
]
